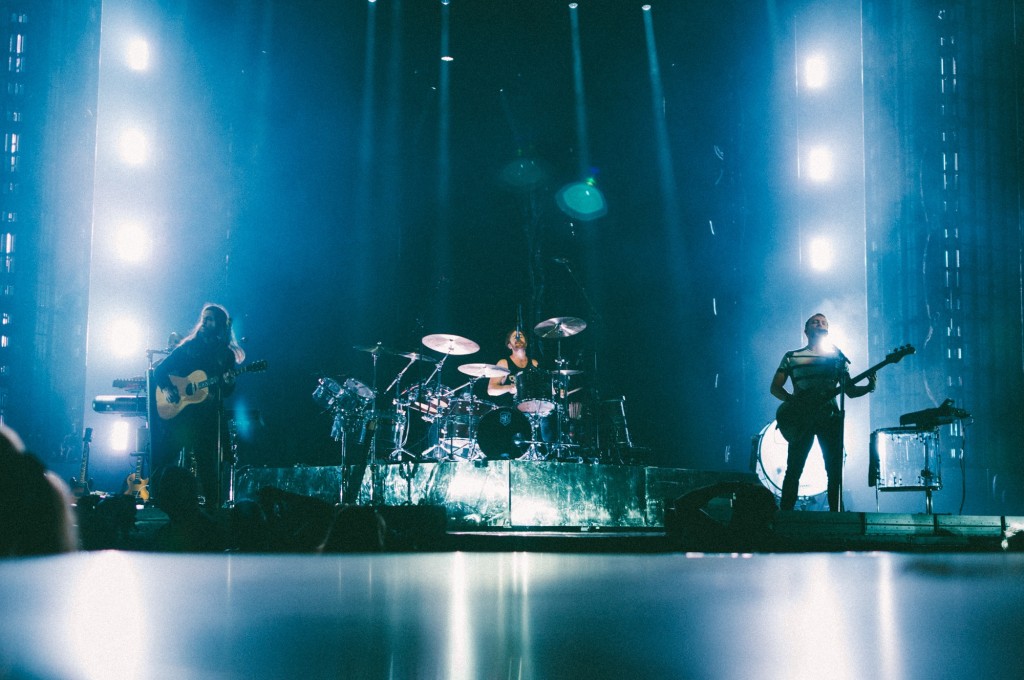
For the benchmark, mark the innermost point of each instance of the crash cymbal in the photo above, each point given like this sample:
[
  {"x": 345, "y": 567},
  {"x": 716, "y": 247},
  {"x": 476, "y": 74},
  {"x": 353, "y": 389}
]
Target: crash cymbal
[
  {"x": 560, "y": 327},
  {"x": 450, "y": 344},
  {"x": 483, "y": 370},
  {"x": 566, "y": 371},
  {"x": 381, "y": 349}
]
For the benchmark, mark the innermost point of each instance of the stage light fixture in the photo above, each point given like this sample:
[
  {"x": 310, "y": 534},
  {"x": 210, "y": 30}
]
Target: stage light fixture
[
  {"x": 815, "y": 72},
  {"x": 819, "y": 164},
  {"x": 582, "y": 200},
  {"x": 137, "y": 54},
  {"x": 133, "y": 146}
]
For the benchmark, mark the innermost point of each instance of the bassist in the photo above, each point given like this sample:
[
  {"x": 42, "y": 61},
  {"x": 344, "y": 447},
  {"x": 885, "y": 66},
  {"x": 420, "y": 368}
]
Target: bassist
[
  {"x": 193, "y": 437},
  {"x": 816, "y": 371}
]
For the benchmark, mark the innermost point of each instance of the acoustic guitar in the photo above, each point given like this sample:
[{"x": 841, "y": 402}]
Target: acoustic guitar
[
  {"x": 195, "y": 387},
  {"x": 798, "y": 414}
]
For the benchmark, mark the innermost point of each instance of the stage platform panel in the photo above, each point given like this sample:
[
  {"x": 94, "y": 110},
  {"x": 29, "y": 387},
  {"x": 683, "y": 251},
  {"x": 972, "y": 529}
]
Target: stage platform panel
[{"x": 506, "y": 494}]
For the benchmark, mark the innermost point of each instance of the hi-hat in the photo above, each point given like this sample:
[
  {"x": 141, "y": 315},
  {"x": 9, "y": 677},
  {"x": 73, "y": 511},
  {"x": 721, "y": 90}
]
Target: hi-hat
[
  {"x": 381, "y": 349},
  {"x": 450, "y": 344},
  {"x": 483, "y": 370},
  {"x": 567, "y": 371},
  {"x": 559, "y": 327}
]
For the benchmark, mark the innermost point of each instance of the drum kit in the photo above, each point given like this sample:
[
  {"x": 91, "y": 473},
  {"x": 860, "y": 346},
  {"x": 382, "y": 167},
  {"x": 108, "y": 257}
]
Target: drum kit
[{"x": 546, "y": 421}]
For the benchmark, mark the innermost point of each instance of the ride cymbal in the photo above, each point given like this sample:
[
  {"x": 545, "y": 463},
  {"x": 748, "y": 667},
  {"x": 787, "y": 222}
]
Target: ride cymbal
[
  {"x": 450, "y": 344},
  {"x": 560, "y": 327},
  {"x": 483, "y": 370},
  {"x": 381, "y": 349}
]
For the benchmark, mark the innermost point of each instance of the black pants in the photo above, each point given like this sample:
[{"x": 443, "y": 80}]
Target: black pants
[
  {"x": 194, "y": 432},
  {"x": 829, "y": 431}
]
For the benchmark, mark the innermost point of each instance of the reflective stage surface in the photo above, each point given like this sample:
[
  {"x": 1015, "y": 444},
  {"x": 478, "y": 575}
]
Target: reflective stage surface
[{"x": 511, "y": 615}]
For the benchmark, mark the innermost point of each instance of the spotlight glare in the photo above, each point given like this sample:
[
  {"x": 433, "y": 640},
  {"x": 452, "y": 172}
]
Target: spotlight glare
[
  {"x": 819, "y": 164},
  {"x": 133, "y": 147},
  {"x": 447, "y": 58},
  {"x": 815, "y": 72},
  {"x": 820, "y": 254},
  {"x": 133, "y": 243},
  {"x": 137, "y": 54},
  {"x": 573, "y": 5},
  {"x": 125, "y": 338},
  {"x": 646, "y": 8},
  {"x": 119, "y": 435},
  {"x": 581, "y": 200}
]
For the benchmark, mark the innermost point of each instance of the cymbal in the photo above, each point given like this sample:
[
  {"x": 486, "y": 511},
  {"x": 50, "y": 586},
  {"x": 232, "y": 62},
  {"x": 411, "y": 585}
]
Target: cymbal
[
  {"x": 381, "y": 349},
  {"x": 483, "y": 370},
  {"x": 450, "y": 344},
  {"x": 560, "y": 327},
  {"x": 567, "y": 371}
]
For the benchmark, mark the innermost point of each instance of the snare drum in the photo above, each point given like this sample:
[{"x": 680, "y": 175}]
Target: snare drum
[
  {"x": 905, "y": 459},
  {"x": 772, "y": 455},
  {"x": 503, "y": 433},
  {"x": 535, "y": 392}
]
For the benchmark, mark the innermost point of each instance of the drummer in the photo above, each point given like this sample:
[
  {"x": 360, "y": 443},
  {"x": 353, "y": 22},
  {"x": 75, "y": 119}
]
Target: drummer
[{"x": 518, "y": 361}]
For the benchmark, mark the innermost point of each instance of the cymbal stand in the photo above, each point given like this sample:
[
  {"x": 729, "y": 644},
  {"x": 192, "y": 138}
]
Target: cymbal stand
[
  {"x": 563, "y": 445},
  {"x": 376, "y": 476},
  {"x": 399, "y": 453},
  {"x": 338, "y": 434}
]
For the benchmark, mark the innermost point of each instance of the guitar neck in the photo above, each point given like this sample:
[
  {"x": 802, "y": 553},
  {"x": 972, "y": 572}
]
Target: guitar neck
[{"x": 85, "y": 454}]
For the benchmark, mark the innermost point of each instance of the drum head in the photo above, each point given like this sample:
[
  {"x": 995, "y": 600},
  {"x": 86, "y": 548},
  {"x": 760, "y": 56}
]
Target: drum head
[
  {"x": 500, "y": 433},
  {"x": 359, "y": 389},
  {"x": 772, "y": 453},
  {"x": 327, "y": 392}
]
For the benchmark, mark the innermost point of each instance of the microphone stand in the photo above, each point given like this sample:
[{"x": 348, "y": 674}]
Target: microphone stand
[{"x": 844, "y": 375}]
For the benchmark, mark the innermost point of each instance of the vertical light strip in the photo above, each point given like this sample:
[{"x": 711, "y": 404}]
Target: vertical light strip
[{"x": 577, "y": 75}]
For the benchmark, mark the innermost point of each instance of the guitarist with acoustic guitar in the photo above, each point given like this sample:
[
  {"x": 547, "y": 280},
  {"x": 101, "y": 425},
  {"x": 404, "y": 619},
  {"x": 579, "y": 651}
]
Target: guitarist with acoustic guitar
[
  {"x": 190, "y": 387},
  {"x": 818, "y": 372}
]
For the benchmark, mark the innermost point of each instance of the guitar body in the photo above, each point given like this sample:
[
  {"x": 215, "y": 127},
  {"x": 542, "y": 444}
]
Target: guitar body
[
  {"x": 796, "y": 416},
  {"x": 194, "y": 388},
  {"x": 189, "y": 393},
  {"x": 138, "y": 486}
]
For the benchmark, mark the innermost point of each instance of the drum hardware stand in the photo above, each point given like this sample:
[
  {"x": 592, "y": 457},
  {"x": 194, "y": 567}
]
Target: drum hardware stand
[
  {"x": 338, "y": 434},
  {"x": 533, "y": 452},
  {"x": 376, "y": 478},
  {"x": 233, "y": 447},
  {"x": 399, "y": 453}
]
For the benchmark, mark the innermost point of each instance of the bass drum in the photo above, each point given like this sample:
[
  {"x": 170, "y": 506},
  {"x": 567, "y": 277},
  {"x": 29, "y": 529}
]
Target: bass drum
[
  {"x": 502, "y": 433},
  {"x": 772, "y": 452}
]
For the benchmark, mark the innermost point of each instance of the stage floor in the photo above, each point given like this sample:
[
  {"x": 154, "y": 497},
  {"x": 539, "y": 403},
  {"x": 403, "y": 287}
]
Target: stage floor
[{"x": 511, "y": 615}]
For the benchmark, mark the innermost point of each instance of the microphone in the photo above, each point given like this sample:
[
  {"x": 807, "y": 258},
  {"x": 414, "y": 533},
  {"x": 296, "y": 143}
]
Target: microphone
[{"x": 842, "y": 357}]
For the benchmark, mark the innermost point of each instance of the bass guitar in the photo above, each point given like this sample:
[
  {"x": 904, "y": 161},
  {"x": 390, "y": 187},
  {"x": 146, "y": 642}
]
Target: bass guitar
[
  {"x": 195, "y": 387},
  {"x": 797, "y": 415}
]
